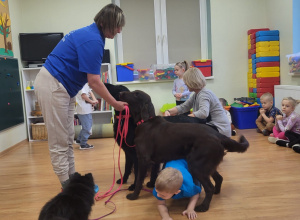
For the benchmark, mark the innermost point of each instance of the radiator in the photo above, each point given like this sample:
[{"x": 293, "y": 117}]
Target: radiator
[{"x": 281, "y": 91}]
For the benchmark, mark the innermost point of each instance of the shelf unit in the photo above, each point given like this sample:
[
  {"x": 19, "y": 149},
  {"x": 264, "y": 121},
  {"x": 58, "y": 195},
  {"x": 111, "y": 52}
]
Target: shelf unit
[{"x": 28, "y": 77}]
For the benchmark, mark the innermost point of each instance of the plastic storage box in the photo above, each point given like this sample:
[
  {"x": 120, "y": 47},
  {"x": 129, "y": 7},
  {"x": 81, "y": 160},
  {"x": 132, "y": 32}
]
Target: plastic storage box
[
  {"x": 245, "y": 117},
  {"x": 294, "y": 63},
  {"x": 163, "y": 71},
  {"x": 145, "y": 74},
  {"x": 125, "y": 72},
  {"x": 204, "y": 65}
]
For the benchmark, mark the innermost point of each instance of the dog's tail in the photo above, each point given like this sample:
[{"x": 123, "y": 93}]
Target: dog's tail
[{"x": 235, "y": 146}]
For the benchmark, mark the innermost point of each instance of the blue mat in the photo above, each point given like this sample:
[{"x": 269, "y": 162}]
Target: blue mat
[
  {"x": 267, "y": 38},
  {"x": 267, "y": 59},
  {"x": 267, "y": 33}
]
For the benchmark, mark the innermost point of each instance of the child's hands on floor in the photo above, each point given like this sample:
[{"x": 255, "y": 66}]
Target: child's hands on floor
[{"x": 191, "y": 214}]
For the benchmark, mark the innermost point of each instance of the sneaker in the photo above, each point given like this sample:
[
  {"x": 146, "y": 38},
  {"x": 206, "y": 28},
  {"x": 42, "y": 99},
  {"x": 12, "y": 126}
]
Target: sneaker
[
  {"x": 282, "y": 143},
  {"x": 272, "y": 139},
  {"x": 296, "y": 148},
  {"x": 233, "y": 132},
  {"x": 266, "y": 132},
  {"x": 86, "y": 147},
  {"x": 76, "y": 142},
  {"x": 258, "y": 130}
]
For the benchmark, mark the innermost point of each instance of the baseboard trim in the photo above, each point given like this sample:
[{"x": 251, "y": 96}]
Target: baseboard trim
[{"x": 12, "y": 148}]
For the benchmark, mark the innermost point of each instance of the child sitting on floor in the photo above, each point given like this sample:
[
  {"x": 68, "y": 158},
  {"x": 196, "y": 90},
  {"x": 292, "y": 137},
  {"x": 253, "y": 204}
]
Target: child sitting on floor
[
  {"x": 287, "y": 127},
  {"x": 175, "y": 181},
  {"x": 291, "y": 120},
  {"x": 224, "y": 103},
  {"x": 266, "y": 119}
]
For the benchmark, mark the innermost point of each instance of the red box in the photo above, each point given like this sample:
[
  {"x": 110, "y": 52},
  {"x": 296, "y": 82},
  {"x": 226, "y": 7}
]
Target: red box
[
  {"x": 250, "y": 89},
  {"x": 267, "y": 79},
  {"x": 264, "y": 90},
  {"x": 253, "y": 31},
  {"x": 267, "y": 64},
  {"x": 204, "y": 65},
  {"x": 267, "y": 85},
  {"x": 259, "y": 94}
]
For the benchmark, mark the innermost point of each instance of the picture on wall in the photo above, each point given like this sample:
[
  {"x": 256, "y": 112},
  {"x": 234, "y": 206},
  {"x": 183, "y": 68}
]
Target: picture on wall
[{"x": 5, "y": 30}]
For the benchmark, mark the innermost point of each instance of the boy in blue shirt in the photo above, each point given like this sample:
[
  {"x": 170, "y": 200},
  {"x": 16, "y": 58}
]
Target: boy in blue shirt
[{"x": 176, "y": 182}]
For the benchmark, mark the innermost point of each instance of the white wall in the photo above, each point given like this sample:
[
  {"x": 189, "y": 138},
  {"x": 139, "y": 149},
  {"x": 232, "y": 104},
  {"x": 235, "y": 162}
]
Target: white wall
[
  {"x": 230, "y": 21},
  {"x": 280, "y": 17}
]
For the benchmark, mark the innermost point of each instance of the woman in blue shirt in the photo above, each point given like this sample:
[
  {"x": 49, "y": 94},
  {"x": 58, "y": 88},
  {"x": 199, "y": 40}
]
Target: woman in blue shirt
[{"x": 75, "y": 60}]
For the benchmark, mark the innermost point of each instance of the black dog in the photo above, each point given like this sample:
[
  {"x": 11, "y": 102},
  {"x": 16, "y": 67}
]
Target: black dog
[
  {"x": 131, "y": 160},
  {"x": 130, "y": 153},
  {"x": 160, "y": 141},
  {"x": 74, "y": 202}
]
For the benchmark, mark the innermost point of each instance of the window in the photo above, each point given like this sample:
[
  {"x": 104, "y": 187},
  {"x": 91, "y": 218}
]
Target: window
[{"x": 163, "y": 31}]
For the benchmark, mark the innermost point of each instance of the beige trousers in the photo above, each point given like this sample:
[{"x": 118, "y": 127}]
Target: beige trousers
[
  {"x": 262, "y": 125},
  {"x": 58, "y": 112}
]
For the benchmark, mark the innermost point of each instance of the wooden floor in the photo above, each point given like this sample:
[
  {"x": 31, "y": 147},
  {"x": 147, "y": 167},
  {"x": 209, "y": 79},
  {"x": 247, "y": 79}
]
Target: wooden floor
[{"x": 263, "y": 183}]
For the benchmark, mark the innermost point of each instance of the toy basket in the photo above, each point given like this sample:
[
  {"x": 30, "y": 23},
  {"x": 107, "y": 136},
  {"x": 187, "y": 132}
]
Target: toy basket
[{"x": 39, "y": 131}]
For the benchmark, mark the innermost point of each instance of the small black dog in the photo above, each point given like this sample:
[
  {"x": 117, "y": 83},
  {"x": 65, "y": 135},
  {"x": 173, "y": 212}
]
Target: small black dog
[{"x": 74, "y": 202}]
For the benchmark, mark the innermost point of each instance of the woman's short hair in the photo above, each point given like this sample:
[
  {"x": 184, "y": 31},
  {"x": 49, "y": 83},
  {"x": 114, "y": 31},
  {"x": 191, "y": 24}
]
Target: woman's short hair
[
  {"x": 109, "y": 18},
  {"x": 194, "y": 78},
  {"x": 169, "y": 180}
]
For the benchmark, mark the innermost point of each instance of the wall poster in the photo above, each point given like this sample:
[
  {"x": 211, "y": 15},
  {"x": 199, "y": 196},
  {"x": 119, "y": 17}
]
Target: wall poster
[{"x": 5, "y": 30}]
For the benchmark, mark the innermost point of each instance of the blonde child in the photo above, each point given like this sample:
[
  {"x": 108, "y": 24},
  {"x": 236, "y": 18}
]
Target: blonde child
[
  {"x": 176, "y": 182},
  {"x": 266, "y": 119},
  {"x": 204, "y": 103},
  {"x": 286, "y": 125}
]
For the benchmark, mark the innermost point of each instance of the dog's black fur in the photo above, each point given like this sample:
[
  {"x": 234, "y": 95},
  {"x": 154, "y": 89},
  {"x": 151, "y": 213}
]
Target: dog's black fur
[
  {"x": 131, "y": 160},
  {"x": 74, "y": 202},
  {"x": 160, "y": 141}
]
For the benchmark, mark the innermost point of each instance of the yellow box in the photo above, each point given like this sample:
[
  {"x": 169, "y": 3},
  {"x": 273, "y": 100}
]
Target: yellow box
[
  {"x": 267, "y": 43},
  {"x": 267, "y": 69},
  {"x": 268, "y": 54},
  {"x": 268, "y": 74}
]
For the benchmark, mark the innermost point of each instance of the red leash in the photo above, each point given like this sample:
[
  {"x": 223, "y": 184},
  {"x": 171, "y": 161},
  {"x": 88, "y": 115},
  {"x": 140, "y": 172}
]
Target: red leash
[{"x": 122, "y": 134}]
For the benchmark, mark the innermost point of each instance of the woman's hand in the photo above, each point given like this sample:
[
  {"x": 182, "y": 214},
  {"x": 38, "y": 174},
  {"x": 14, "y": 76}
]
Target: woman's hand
[
  {"x": 167, "y": 113},
  {"x": 120, "y": 106}
]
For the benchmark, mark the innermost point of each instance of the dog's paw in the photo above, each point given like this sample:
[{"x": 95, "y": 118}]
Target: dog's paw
[
  {"x": 132, "y": 196},
  {"x": 150, "y": 185},
  {"x": 201, "y": 208},
  {"x": 131, "y": 187},
  {"x": 119, "y": 181}
]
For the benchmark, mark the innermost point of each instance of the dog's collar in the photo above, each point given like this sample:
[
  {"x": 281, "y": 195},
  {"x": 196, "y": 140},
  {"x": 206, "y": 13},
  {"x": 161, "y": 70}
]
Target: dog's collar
[{"x": 140, "y": 122}]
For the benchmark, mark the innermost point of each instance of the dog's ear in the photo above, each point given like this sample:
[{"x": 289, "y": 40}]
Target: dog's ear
[{"x": 144, "y": 112}]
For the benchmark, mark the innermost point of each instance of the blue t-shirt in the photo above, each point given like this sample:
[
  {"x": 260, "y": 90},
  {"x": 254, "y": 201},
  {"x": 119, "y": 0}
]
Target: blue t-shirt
[
  {"x": 78, "y": 53},
  {"x": 273, "y": 112},
  {"x": 188, "y": 188}
]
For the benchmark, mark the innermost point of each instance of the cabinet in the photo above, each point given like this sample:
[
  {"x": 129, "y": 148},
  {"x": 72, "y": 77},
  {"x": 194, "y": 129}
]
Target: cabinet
[{"x": 101, "y": 116}]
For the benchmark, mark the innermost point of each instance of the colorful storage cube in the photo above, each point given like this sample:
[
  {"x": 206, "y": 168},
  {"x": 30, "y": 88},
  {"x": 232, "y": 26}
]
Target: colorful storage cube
[{"x": 204, "y": 65}]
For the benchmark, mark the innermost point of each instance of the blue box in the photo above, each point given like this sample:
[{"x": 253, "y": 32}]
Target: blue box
[
  {"x": 125, "y": 72},
  {"x": 245, "y": 117}
]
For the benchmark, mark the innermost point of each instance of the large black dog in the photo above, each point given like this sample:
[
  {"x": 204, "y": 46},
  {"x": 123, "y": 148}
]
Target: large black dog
[
  {"x": 160, "y": 141},
  {"x": 74, "y": 202},
  {"x": 131, "y": 160}
]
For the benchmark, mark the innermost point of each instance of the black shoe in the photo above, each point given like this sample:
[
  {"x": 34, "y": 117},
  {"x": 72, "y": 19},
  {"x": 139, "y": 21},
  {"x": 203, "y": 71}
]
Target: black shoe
[
  {"x": 258, "y": 130},
  {"x": 233, "y": 132},
  {"x": 282, "y": 143},
  {"x": 296, "y": 148},
  {"x": 76, "y": 142},
  {"x": 266, "y": 132},
  {"x": 86, "y": 147}
]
